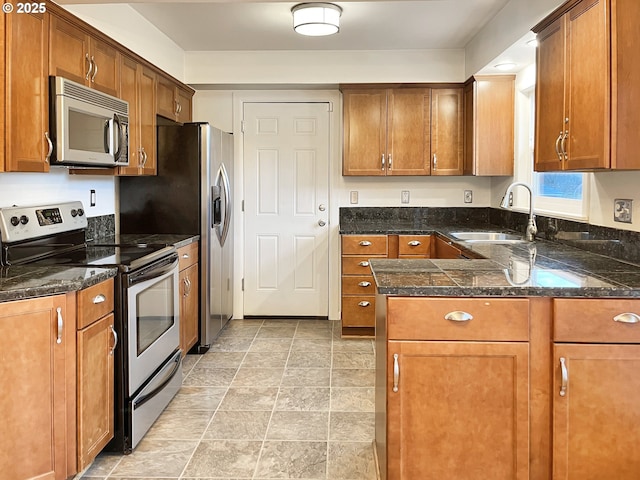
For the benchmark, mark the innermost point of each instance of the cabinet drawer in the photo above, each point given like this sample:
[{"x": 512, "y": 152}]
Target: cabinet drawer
[
  {"x": 188, "y": 255},
  {"x": 359, "y": 311},
  {"x": 414, "y": 245},
  {"x": 94, "y": 303},
  {"x": 358, "y": 285},
  {"x": 357, "y": 265},
  {"x": 416, "y": 318},
  {"x": 364, "y": 245},
  {"x": 594, "y": 320}
]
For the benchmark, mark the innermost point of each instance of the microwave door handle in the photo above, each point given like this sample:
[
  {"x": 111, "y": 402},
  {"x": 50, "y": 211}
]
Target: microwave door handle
[
  {"x": 116, "y": 122},
  {"x": 107, "y": 136}
]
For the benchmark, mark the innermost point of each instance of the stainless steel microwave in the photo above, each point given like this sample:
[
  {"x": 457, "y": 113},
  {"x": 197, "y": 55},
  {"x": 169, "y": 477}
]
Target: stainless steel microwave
[{"x": 88, "y": 128}]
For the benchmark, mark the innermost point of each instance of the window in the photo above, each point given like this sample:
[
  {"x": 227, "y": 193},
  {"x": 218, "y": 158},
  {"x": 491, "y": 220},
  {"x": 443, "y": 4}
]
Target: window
[{"x": 557, "y": 194}]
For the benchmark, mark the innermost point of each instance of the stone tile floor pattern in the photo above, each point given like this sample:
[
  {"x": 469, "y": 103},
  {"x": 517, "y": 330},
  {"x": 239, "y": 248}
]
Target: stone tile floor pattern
[{"x": 272, "y": 399}]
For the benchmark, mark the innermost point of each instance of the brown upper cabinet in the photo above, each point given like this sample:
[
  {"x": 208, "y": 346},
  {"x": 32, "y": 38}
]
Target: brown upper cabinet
[
  {"x": 25, "y": 50},
  {"x": 402, "y": 131},
  {"x": 489, "y": 125},
  {"x": 587, "y": 94},
  {"x": 81, "y": 57},
  {"x": 173, "y": 101}
]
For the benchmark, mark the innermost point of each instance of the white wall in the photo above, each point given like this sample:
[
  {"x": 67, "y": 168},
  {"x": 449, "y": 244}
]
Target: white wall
[
  {"x": 58, "y": 186},
  {"x": 127, "y": 26},
  {"x": 511, "y": 23},
  {"x": 607, "y": 186},
  {"x": 323, "y": 67}
]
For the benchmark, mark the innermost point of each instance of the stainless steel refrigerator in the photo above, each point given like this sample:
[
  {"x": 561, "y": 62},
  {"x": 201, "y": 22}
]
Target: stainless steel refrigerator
[{"x": 190, "y": 195}]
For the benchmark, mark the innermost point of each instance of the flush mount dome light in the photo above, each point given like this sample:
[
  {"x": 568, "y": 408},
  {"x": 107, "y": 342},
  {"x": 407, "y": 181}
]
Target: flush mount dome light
[
  {"x": 505, "y": 66},
  {"x": 316, "y": 19}
]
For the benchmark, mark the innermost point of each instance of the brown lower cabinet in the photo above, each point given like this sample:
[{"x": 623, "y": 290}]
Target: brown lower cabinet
[
  {"x": 526, "y": 388},
  {"x": 38, "y": 379},
  {"x": 189, "y": 298}
]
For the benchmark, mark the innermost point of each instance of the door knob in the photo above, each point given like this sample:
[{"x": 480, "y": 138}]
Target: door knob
[
  {"x": 322, "y": 223},
  {"x": 322, "y": 207}
]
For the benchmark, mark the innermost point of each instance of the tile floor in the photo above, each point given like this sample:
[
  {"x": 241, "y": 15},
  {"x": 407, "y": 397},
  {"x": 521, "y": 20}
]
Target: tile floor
[{"x": 285, "y": 399}]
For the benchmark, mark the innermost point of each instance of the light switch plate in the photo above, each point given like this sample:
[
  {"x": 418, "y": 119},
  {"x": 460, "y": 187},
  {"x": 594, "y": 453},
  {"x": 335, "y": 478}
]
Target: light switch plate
[
  {"x": 622, "y": 210},
  {"x": 468, "y": 196},
  {"x": 353, "y": 197},
  {"x": 404, "y": 196}
]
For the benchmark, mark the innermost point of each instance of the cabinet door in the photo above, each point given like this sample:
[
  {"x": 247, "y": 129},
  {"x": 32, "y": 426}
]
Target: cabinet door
[
  {"x": 106, "y": 64},
  {"x": 444, "y": 249},
  {"x": 166, "y": 98},
  {"x": 595, "y": 422},
  {"x": 365, "y": 132},
  {"x": 147, "y": 119},
  {"x": 27, "y": 93},
  {"x": 184, "y": 105},
  {"x": 550, "y": 126},
  {"x": 37, "y": 384},
  {"x": 447, "y": 131},
  {"x": 129, "y": 92},
  {"x": 69, "y": 51},
  {"x": 95, "y": 389},
  {"x": 587, "y": 102},
  {"x": 461, "y": 410},
  {"x": 189, "y": 308},
  {"x": 409, "y": 132}
]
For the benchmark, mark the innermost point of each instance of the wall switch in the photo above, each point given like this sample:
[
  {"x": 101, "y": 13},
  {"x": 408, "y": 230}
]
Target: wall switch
[
  {"x": 622, "y": 210},
  {"x": 468, "y": 196},
  {"x": 404, "y": 196},
  {"x": 92, "y": 198},
  {"x": 511, "y": 199},
  {"x": 353, "y": 197}
]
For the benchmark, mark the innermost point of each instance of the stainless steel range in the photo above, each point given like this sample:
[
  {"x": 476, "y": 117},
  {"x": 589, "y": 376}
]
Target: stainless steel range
[{"x": 148, "y": 369}]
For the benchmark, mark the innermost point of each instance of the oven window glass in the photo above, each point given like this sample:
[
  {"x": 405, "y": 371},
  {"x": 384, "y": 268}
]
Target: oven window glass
[
  {"x": 155, "y": 310},
  {"x": 87, "y": 132}
]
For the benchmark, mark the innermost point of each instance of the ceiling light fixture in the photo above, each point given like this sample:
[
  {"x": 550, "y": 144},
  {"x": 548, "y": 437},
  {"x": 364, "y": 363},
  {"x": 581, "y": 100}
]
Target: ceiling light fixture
[
  {"x": 505, "y": 66},
  {"x": 533, "y": 43},
  {"x": 316, "y": 19}
]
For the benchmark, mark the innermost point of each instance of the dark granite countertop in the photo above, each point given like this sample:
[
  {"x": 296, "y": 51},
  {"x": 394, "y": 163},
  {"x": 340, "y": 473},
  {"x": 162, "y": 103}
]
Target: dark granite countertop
[
  {"x": 540, "y": 268},
  {"x": 25, "y": 281}
]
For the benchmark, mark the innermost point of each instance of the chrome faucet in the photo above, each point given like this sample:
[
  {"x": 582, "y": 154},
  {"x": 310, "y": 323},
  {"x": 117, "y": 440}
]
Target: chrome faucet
[{"x": 532, "y": 229}]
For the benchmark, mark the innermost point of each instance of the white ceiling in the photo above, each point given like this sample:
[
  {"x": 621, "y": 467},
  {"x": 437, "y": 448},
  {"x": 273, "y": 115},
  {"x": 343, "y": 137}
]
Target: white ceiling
[{"x": 229, "y": 25}]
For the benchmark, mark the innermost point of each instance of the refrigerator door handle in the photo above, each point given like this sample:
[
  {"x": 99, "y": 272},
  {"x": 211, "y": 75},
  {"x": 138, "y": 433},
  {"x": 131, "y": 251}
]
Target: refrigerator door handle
[
  {"x": 216, "y": 210},
  {"x": 222, "y": 180}
]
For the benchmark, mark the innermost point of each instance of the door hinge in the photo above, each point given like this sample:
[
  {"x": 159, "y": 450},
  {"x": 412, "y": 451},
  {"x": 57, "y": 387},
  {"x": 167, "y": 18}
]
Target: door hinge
[
  {"x": 331, "y": 106},
  {"x": 242, "y": 287},
  {"x": 242, "y": 126},
  {"x": 242, "y": 206}
]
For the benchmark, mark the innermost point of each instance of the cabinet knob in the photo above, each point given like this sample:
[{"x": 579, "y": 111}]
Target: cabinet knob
[
  {"x": 364, "y": 284},
  {"x": 364, "y": 303},
  {"x": 414, "y": 243},
  {"x": 364, "y": 264}
]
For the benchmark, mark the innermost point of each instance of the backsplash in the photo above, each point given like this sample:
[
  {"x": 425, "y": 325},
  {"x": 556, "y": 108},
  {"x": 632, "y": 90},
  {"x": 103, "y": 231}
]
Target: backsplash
[
  {"x": 101, "y": 227},
  {"x": 620, "y": 244}
]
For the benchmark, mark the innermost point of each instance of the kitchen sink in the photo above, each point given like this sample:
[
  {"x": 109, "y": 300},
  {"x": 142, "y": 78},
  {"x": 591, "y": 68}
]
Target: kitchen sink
[{"x": 487, "y": 237}]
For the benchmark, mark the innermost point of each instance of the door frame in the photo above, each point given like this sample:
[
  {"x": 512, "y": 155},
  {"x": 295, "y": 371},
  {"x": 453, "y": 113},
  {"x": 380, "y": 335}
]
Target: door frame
[{"x": 333, "y": 99}]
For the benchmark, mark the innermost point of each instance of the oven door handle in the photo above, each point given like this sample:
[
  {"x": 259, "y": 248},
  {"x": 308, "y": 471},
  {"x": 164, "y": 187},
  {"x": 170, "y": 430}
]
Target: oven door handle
[
  {"x": 145, "y": 398},
  {"x": 164, "y": 267}
]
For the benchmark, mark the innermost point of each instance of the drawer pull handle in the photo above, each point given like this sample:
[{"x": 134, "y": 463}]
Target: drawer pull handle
[
  {"x": 458, "y": 316},
  {"x": 414, "y": 243},
  {"x": 364, "y": 303},
  {"x": 100, "y": 298},
  {"x": 185, "y": 255},
  {"x": 396, "y": 372},
  {"x": 365, "y": 243},
  {"x": 364, "y": 284},
  {"x": 60, "y": 325},
  {"x": 364, "y": 264},
  {"x": 565, "y": 377},
  {"x": 627, "y": 318}
]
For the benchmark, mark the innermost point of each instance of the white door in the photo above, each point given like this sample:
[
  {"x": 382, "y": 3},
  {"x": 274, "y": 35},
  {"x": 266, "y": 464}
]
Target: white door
[{"x": 286, "y": 190}]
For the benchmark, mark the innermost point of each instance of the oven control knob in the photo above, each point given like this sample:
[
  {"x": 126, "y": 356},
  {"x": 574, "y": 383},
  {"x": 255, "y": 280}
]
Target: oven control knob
[
  {"x": 15, "y": 221},
  {"x": 74, "y": 212},
  {"x": 80, "y": 212},
  {"x": 24, "y": 219}
]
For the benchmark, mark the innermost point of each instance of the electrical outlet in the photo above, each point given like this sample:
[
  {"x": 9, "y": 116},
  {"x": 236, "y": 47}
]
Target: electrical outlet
[
  {"x": 511, "y": 199},
  {"x": 468, "y": 196},
  {"x": 622, "y": 210},
  {"x": 353, "y": 197},
  {"x": 404, "y": 196}
]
